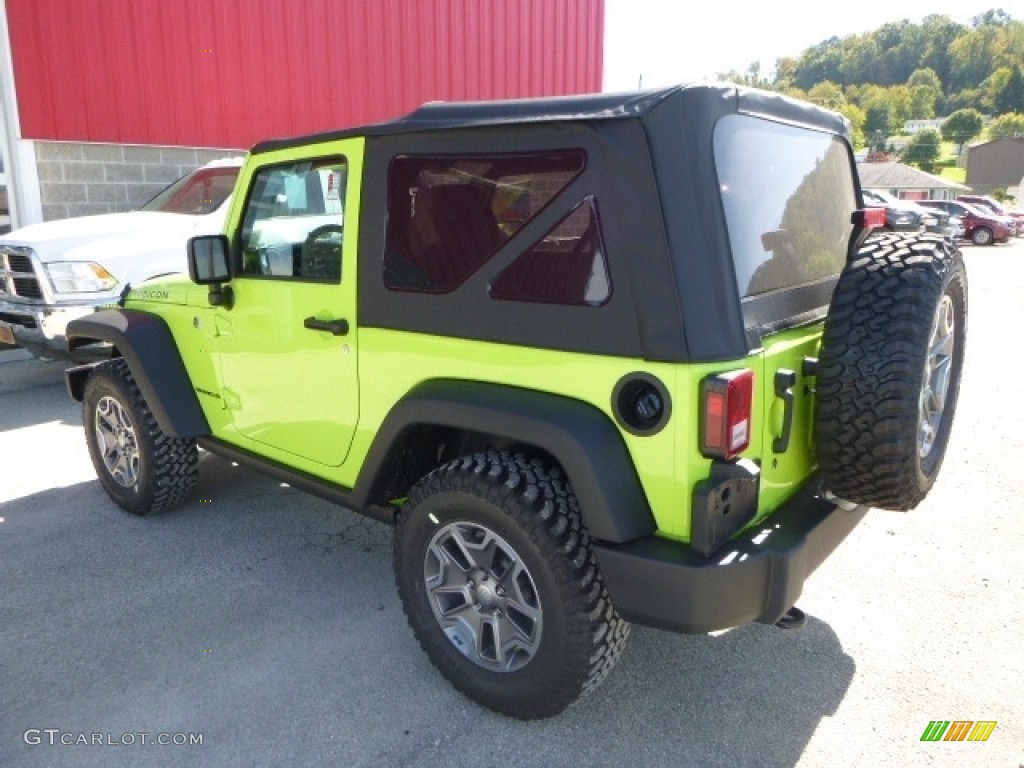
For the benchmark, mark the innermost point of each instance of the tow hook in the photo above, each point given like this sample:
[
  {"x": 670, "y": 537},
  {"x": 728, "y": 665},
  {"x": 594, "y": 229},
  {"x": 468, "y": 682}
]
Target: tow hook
[{"x": 794, "y": 618}]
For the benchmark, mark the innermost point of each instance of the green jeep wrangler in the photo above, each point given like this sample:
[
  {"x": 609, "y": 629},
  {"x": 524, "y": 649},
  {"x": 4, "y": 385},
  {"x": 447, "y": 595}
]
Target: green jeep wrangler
[{"x": 600, "y": 360}]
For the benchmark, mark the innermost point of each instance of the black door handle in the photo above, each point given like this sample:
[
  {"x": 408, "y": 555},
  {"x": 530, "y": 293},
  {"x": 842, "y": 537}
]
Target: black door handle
[
  {"x": 784, "y": 381},
  {"x": 334, "y": 327}
]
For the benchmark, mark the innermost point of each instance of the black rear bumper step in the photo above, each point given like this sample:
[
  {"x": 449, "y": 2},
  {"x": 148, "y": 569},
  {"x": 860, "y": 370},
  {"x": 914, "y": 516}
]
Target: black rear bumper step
[{"x": 756, "y": 577}]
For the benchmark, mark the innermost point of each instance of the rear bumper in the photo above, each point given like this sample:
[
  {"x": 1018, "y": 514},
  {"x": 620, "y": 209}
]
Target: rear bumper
[{"x": 756, "y": 577}]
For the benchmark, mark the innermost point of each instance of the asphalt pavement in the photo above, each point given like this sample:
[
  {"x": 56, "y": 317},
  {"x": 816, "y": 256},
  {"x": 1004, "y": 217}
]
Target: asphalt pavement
[{"x": 258, "y": 626}]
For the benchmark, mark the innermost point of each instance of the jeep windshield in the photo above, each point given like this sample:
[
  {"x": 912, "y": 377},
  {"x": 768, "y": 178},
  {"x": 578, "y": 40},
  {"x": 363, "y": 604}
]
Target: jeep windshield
[
  {"x": 197, "y": 193},
  {"x": 788, "y": 194}
]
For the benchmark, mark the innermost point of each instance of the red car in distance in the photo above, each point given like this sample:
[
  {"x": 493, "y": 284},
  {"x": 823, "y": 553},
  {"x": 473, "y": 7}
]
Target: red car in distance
[
  {"x": 981, "y": 226},
  {"x": 984, "y": 201}
]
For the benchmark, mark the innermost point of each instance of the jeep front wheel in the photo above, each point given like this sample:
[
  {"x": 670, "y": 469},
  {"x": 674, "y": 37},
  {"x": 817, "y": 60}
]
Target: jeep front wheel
[
  {"x": 501, "y": 588},
  {"x": 142, "y": 469},
  {"x": 889, "y": 370}
]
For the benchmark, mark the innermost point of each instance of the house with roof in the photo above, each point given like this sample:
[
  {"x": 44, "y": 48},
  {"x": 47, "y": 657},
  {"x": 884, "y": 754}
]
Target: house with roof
[
  {"x": 908, "y": 183},
  {"x": 913, "y": 127},
  {"x": 997, "y": 164}
]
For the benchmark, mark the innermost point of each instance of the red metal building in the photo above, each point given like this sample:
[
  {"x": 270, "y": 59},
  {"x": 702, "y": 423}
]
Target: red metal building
[{"x": 229, "y": 73}]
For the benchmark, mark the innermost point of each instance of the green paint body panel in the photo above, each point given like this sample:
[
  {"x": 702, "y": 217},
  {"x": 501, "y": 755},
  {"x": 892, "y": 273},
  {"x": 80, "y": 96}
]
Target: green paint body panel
[{"x": 254, "y": 396}]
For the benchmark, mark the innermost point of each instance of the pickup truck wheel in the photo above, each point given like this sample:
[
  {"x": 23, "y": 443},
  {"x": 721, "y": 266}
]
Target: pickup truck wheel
[
  {"x": 501, "y": 588},
  {"x": 889, "y": 370},
  {"x": 142, "y": 469}
]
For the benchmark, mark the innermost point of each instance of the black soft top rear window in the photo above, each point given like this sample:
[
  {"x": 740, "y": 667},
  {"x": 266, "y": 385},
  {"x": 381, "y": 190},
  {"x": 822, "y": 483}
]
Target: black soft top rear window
[{"x": 788, "y": 193}]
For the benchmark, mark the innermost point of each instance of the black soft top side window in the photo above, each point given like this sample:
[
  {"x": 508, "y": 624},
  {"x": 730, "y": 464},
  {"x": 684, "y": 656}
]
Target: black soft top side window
[
  {"x": 448, "y": 215},
  {"x": 566, "y": 266}
]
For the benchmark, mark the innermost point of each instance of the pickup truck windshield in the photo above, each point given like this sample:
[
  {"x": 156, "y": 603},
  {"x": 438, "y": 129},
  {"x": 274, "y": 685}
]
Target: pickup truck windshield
[{"x": 200, "y": 192}]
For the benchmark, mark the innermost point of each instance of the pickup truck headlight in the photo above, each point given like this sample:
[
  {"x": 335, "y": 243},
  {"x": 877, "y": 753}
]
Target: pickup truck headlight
[{"x": 79, "y": 277}]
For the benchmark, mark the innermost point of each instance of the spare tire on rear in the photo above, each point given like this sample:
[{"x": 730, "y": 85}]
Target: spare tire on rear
[{"x": 889, "y": 369}]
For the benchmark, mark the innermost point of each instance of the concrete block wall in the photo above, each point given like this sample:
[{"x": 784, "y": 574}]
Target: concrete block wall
[{"x": 77, "y": 179}]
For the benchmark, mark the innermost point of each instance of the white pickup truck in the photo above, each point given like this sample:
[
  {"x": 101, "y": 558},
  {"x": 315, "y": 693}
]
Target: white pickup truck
[{"x": 53, "y": 272}]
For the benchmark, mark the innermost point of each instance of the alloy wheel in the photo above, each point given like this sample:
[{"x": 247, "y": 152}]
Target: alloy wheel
[
  {"x": 483, "y": 596},
  {"x": 938, "y": 366},
  {"x": 117, "y": 442}
]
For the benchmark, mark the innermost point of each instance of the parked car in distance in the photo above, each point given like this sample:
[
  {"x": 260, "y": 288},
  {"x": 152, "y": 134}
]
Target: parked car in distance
[
  {"x": 980, "y": 226},
  {"x": 991, "y": 204},
  {"x": 898, "y": 217},
  {"x": 53, "y": 272},
  {"x": 907, "y": 215},
  {"x": 956, "y": 228}
]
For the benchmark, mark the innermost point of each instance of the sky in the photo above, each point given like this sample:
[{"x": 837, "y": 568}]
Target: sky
[{"x": 668, "y": 41}]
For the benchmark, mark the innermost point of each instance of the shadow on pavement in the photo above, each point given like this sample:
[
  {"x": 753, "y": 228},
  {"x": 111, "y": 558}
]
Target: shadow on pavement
[
  {"x": 268, "y": 621},
  {"x": 32, "y": 391}
]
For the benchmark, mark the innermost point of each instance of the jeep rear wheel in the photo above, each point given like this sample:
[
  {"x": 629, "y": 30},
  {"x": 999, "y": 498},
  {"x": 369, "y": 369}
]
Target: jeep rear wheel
[
  {"x": 142, "y": 469},
  {"x": 889, "y": 370},
  {"x": 500, "y": 586}
]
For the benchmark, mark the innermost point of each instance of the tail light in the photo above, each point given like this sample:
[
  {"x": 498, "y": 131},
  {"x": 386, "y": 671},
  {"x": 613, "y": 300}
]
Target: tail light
[
  {"x": 872, "y": 218},
  {"x": 726, "y": 401}
]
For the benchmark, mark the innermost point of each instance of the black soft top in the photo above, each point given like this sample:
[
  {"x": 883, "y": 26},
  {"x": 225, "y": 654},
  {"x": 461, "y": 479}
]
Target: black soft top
[
  {"x": 442, "y": 115},
  {"x": 651, "y": 170}
]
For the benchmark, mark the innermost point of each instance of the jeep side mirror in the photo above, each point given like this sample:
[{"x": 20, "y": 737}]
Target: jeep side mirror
[
  {"x": 208, "y": 259},
  {"x": 208, "y": 264}
]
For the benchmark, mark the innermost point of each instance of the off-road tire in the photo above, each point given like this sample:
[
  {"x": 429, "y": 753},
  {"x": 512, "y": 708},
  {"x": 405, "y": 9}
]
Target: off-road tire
[
  {"x": 889, "y": 369},
  {"x": 142, "y": 469},
  {"x": 531, "y": 512}
]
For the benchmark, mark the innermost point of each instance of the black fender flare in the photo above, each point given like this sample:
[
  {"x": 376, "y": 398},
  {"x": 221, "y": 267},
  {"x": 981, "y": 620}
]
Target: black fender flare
[
  {"x": 148, "y": 347},
  {"x": 582, "y": 438}
]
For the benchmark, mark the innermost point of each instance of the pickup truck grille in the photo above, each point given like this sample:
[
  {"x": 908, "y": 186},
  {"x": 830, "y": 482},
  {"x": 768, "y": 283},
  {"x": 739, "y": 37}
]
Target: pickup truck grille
[{"x": 17, "y": 277}]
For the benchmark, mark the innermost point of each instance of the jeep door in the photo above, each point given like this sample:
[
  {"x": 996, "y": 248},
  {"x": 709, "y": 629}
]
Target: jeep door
[{"x": 288, "y": 344}]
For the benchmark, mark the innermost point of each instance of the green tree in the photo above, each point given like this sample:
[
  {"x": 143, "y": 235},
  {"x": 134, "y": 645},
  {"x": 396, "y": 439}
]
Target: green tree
[
  {"x": 1006, "y": 127},
  {"x": 857, "y": 118},
  {"x": 965, "y": 67},
  {"x": 827, "y": 94},
  {"x": 923, "y": 150},
  {"x": 899, "y": 98},
  {"x": 1009, "y": 95},
  {"x": 939, "y": 33},
  {"x": 925, "y": 77},
  {"x": 922, "y": 102},
  {"x": 973, "y": 56},
  {"x": 962, "y": 126},
  {"x": 969, "y": 98},
  {"x": 793, "y": 92},
  {"x": 876, "y": 122},
  {"x": 859, "y": 61},
  {"x": 784, "y": 69},
  {"x": 902, "y": 52},
  {"x": 993, "y": 18},
  {"x": 818, "y": 64}
]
